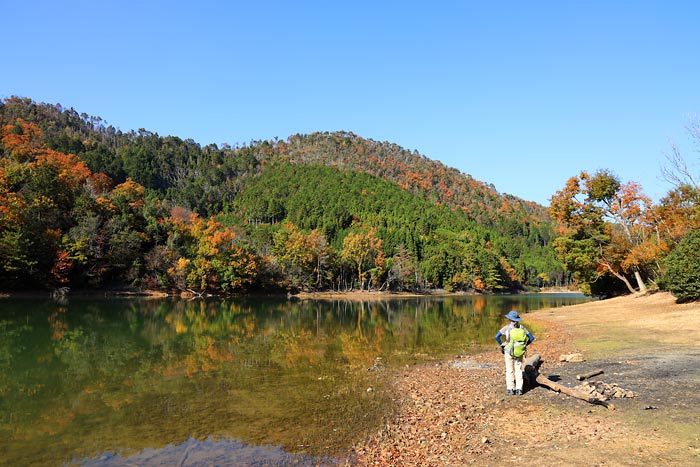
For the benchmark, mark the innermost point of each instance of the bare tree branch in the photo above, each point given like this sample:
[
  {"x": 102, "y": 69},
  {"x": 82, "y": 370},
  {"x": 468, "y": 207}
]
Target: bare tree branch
[{"x": 677, "y": 171}]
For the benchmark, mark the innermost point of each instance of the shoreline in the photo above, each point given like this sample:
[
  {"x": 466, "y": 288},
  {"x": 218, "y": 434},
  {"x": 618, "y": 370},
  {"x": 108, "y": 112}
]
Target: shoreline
[
  {"x": 454, "y": 415},
  {"x": 352, "y": 295},
  {"x": 379, "y": 294},
  {"x": 363, "y": 295}
]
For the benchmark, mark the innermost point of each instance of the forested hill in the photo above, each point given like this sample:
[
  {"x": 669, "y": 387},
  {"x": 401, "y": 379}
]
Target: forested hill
[
  {"x": 412, "y": 171},
  {"x": 181, "y": 176},
  {"x": 205, "y": 177}
]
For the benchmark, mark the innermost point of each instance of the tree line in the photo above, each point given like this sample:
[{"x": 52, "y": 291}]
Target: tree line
[
  {"x": 401, "y": 241},
  {"x": 86, "y": 205},
  {"x": 611, "y": 236}
]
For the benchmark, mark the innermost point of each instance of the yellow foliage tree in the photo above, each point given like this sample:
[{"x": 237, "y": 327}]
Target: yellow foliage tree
[{"x": 363, "y": 250}]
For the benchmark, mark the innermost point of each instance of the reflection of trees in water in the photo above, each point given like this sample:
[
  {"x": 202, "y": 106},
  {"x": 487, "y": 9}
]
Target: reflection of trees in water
[
  {"x": 478, "y": 304},
  {"x": 58, "y": 323},
  {"x": 144, "y": 373}
]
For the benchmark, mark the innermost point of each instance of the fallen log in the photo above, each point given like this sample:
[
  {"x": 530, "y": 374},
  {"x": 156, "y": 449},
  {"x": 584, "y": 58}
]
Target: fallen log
[
  {"x": 544, "y": 381},
  {"x": 532, "y": 364},
  {"x": 590, "y": 374},
  {"x": 532, "y": 375}
]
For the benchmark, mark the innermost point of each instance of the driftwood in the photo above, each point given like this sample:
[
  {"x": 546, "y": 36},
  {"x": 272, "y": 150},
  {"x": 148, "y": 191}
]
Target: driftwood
[
  {"x": 590, "y": 374},
  {"x": 605, "y": 391},
  {"x": 531, "y": 372}
]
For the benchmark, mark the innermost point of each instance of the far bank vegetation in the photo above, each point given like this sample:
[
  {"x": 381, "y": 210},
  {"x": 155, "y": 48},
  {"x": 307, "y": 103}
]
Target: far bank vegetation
[{"x": 85, "y": 205}]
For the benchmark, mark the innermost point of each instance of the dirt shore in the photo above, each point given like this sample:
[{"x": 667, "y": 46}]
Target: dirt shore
[
  {"x": 456, "y": 412},
  {"x": 362, "y": 295}
]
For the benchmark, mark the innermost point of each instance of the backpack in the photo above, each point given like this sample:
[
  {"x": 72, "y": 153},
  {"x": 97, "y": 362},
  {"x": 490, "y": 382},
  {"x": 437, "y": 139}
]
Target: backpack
[{"x": 517, "y": 341}]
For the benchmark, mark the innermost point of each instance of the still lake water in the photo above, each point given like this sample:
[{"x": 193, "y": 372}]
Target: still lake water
[{"x": 113, "y": 382}]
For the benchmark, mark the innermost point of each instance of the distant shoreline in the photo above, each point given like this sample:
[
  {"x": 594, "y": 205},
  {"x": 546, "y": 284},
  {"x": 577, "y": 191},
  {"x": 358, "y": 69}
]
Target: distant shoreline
[
  {"x": 382, "y": 295},
  {"x": 365, "y": 295},
  {"x": 558, "y": 290}
]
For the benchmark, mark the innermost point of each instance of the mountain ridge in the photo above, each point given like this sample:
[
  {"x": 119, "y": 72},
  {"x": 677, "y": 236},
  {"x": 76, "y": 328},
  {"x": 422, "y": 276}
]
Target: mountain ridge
[{"x": 85, "y": 135}]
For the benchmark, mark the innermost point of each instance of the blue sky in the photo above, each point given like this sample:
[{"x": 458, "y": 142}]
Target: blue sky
[{"x": 522, "y": 95}]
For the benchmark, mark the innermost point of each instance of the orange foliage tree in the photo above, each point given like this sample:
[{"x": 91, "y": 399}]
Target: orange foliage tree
[
  {"x": 211, "y": 258},
  {"x": 606, "y": 227},
  {"x": 38, "y": 187}
]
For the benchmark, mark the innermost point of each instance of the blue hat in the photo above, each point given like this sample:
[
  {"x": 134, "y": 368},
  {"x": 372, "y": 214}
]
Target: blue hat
[{"x": 514, "y": 316}]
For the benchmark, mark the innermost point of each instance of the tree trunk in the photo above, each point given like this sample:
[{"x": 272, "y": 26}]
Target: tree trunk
[
  {"x": 640, "y": 282},
  {"x": 532, "y": 364},
  {"x": 544, "y": 381},
  {"x": 531, "y": 373},
  {"x": 620, "y": 276}
]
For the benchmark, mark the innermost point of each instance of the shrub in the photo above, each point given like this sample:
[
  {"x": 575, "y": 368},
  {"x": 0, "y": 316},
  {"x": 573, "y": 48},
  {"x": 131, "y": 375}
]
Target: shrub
[{"x": 682, "y": 275}]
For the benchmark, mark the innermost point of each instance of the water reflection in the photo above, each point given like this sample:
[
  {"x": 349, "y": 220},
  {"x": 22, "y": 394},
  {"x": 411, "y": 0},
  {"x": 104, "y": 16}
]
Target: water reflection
[{"x": 95, "y": 376}]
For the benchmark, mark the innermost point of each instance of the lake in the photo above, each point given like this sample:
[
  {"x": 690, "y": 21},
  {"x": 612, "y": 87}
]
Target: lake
[{"x": 255, "y": 381}]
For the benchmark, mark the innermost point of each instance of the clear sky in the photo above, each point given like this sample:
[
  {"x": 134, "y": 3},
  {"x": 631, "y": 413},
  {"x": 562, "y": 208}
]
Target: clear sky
[{"x": 522, "y": 95}]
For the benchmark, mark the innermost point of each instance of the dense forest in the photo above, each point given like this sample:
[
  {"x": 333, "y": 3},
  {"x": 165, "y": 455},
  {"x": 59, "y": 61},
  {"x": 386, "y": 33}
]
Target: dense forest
[{"x": 85, "y": 205}]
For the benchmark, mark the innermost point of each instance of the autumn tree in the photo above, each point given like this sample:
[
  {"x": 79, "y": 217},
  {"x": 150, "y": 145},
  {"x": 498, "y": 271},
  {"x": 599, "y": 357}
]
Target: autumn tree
[
  {"x": 605, "y": 228},
  {"x": 293, "y": 254},
  {"x": 38, "y": 188},
  {"x": 303, "y": 258},
  {"x": 678, "y": 213},
  {"x": 363, "y": 250},
  {"x": 208, "y": 256},
  {"x": 322, "y": 254}
]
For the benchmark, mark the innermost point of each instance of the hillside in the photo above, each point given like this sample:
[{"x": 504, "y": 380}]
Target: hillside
[
  {"x": 171, "y": 163},
  {"x": 445, "y": 242},
  {"x": 235, "y": 181},
  {"x": 412, "y": 171}
]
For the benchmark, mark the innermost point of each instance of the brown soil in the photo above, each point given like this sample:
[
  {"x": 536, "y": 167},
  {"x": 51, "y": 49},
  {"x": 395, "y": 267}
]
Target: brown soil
[{"x": 456, "y": 412}]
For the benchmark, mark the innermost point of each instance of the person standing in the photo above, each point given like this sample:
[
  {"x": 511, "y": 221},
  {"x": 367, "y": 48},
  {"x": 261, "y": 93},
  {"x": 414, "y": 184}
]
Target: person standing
[{"x": 513, "y": 339}]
